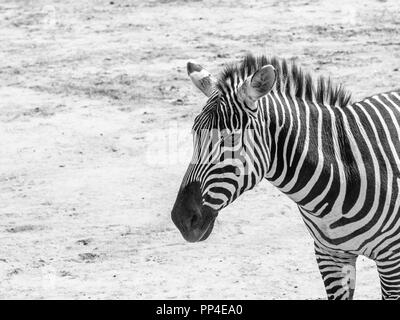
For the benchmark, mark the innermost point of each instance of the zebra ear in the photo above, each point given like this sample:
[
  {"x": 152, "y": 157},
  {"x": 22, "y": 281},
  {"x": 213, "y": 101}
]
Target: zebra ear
[
  {"x": 257, "y": 85},
  {"x": 201, "y": 78}
]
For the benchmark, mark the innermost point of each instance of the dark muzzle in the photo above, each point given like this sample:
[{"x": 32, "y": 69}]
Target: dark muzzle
[{"x": 194, "y": 220}]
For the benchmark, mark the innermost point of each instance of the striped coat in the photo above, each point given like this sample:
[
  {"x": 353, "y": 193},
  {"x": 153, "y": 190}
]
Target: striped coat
[{"x": 338, "y": 160}]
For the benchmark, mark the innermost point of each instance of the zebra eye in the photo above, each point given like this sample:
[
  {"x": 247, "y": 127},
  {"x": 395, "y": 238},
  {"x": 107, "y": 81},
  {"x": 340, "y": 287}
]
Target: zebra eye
[
  {"x": 225, "y": 134},
  {"x": 230, "y": 140},
  {"x": 237, "y": 172}
]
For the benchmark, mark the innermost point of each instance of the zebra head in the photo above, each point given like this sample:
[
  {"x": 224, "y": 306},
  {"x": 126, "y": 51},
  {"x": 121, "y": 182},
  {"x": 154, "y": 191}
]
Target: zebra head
[{"x": 229, "y": 155}]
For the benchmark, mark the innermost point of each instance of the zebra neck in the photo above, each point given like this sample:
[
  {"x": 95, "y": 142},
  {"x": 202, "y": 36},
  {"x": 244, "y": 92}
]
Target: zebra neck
[{"x": 307, "y": 144}]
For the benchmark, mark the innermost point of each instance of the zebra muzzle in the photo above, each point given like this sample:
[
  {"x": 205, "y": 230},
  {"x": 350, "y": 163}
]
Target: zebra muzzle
[{"x": 194, "y": 220}]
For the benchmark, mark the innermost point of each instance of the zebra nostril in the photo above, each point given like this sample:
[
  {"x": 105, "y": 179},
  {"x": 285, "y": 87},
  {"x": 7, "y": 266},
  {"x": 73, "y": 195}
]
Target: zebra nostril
[
  {"x": 194, "y": 220},
  {"x": 237, "y": 172}
]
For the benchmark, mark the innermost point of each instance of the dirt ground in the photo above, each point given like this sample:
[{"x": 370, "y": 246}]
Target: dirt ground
[{"x": 95, "y": 117}]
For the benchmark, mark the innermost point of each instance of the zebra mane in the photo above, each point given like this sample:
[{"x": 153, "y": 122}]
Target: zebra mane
[{"x": 291, "y": 79}]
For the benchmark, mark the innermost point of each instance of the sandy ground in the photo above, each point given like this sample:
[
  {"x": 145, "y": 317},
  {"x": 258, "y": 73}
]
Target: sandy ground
[{"x": 95, "y": 117}]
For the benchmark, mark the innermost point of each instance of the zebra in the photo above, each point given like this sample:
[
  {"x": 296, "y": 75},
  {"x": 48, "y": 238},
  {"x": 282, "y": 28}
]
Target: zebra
[{"x": 338, "y": 160}]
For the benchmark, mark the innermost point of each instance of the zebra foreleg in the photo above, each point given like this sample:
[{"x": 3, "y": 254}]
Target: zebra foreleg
[
  {"x": 389, "y": 274},
  {"x": 338, "y": 272}
]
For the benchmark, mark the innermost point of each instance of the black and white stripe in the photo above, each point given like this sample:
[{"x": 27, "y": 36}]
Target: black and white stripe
[{"x": 339, "y": 161}]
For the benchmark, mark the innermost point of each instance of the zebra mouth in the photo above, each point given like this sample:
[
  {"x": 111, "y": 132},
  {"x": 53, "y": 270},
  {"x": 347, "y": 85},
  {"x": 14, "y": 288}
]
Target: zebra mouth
[
  {"x": 208, "y": 231},
  {"x": 200, "y": 233},
  {"x": 193, "y": 219},
  {"x": 203, "y": 230}
]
